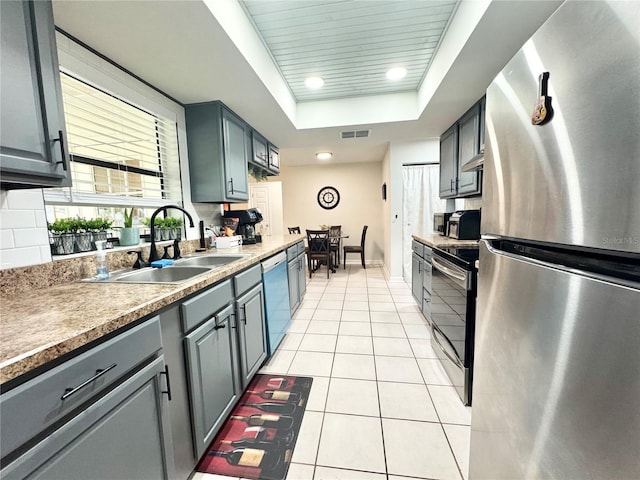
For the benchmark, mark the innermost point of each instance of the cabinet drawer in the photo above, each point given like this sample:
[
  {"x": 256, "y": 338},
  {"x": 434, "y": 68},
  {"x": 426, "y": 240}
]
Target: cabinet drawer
[
  {"x": 38, "y": 404},
  {"x": 300, "y": 246},
  {"x": 292, "y": 252},
  {"x": 417, "y": 247},
  {"x": 199, "y": 308},
  {"x": 248, "y": 279}
]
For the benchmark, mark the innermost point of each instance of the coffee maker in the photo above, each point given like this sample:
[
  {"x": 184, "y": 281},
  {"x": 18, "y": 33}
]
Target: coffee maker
[{"x": 247, "y": 220}]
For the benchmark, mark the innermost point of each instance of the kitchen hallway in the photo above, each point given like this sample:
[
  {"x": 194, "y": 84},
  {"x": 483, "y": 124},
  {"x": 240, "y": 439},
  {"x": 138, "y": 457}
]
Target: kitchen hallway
[{"x": 381, "y": 406}]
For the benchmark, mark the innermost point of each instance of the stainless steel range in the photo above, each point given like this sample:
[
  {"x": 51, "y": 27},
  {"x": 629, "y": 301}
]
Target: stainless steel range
[{"x": 453, "y": 305}]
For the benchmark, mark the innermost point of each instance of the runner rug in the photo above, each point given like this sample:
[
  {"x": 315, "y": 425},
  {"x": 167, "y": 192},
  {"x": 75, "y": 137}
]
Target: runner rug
[{"x": 257, "y": 440}]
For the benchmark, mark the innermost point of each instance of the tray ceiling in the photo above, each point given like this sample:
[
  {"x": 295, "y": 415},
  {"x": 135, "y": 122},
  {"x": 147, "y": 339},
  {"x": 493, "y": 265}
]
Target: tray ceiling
[{"x": 350, "y": 43}]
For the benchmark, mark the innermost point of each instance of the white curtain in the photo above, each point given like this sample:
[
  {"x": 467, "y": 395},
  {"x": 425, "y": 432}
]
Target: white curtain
[{"x": 421, "y": 200}]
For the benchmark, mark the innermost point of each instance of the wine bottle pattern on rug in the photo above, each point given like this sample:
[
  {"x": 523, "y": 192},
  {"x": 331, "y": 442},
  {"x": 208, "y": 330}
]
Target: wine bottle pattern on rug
[{"x": 258, "y": 438}]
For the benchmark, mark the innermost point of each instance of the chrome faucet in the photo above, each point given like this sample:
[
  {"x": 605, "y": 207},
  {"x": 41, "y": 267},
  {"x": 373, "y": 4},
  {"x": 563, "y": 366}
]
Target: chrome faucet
[{"x": 153, "y": 253}]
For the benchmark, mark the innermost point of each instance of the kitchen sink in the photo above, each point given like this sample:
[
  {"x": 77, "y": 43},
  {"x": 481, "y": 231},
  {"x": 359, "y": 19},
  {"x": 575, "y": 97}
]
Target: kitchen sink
[
  {"x": 161, "y": 275},
  {"x": 210, "y": 260}
]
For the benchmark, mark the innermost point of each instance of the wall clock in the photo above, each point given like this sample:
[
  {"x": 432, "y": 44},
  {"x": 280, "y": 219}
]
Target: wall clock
[{"x": 328, "y": 197}]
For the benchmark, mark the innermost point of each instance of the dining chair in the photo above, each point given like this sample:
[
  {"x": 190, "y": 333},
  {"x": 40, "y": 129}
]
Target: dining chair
[
  {"x": 335, "y": 232},
  {"x": 356, "y": 248},
  {"x": 319, "y": 250},
  {"x": 293, "y": 230}
]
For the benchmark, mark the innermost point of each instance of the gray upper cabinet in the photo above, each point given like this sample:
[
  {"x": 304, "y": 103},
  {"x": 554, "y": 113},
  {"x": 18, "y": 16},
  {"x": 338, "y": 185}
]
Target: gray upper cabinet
[
  {"x": 260, "y": 149},
  {"x": 218, "y": 154},
  {"x": 458, "y": 145},
  {"x": 33, "y": 135},
  {"x": 274, "y": 159},
  {"x": 468, "y": 147},
  {"x": 448, "y": 162}
]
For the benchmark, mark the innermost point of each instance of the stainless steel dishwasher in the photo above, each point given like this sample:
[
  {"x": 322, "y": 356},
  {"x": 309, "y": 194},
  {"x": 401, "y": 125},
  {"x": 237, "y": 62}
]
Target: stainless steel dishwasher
[{"x": 276, "y": 298}]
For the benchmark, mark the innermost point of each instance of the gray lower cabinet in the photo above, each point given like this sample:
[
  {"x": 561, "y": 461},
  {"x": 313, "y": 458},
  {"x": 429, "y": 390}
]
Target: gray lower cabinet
[
  {"x": 33, "y": 134},
  {"x": 251, "y": 332},
  {"x": 101, "y": 415},
  {"x": 416, "y": 277},
  {"x": 297, "y": 277},
  {"x": 218, "y": 153},
  {"x": 212, "y": 364},
  {"x": 427, "y": 255}
]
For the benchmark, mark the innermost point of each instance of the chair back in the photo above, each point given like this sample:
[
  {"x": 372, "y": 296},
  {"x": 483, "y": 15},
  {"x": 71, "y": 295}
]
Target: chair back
[
  {"x": 293, "y": 230},
  {"x": 318, "y": 241},
  {"x": 335, "y": 230},
  {"x": 364, "y": 234}
]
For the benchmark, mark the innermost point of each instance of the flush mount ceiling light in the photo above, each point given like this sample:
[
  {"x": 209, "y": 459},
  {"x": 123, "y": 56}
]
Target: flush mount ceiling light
[
  {"x": 324, "y": 155},
  {"x": 314, "y": 82},
  {"x": 396, "y": 73}
]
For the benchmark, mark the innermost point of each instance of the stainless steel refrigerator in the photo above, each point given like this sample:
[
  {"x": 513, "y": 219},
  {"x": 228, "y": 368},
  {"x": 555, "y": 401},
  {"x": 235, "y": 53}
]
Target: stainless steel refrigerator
[{"x": 557, "y": 360}]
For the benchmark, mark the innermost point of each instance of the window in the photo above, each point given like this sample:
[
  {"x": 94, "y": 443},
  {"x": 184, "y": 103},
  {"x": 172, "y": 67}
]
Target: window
[{"x": 121, "y": 156}]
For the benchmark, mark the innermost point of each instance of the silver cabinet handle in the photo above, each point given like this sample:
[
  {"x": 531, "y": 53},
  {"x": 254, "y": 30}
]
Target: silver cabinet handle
[{"x": 73, "y": 390}]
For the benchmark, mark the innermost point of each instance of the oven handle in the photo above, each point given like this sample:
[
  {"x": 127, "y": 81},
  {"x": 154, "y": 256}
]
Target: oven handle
[
  {"x": 450, "y": 271},
  {"x": 456, "y": 360}
]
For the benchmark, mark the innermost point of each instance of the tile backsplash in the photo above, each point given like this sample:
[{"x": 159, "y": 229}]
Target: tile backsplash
[{"x": 24, "y": 239}]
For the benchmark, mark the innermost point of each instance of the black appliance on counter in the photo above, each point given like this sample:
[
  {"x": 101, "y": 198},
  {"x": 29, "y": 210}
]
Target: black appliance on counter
[
  {"x": 453, "y": 313},
  {"x": 441, "y": 223},
  {"x": 465, "y": 225},
  {"x": 247, "y": 220}
]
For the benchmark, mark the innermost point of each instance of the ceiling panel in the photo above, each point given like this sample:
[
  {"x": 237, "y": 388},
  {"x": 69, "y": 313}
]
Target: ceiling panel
[{"x": 350, "y": 43}]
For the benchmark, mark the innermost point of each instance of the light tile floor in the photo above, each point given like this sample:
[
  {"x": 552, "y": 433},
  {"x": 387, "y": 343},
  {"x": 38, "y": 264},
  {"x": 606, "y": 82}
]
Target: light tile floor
[{"x": 381, "y": 406}]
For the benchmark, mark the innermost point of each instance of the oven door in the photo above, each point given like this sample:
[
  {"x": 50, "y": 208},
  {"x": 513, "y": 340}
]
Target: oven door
[{"x": 451, "y": 293}]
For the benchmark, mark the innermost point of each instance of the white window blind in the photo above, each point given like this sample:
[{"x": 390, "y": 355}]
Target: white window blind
[{"x": 121, "y": 155}]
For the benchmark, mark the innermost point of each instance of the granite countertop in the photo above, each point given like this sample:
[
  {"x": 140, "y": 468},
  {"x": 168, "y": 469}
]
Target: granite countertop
[
  {"x": 38, "y": 327},
  {"x": 434, "y": 239}
]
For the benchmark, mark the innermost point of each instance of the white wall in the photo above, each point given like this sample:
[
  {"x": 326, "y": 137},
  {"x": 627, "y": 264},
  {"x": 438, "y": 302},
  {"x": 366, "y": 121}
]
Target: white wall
[
  {"x": 360, "y": 188},
  {"x": 423, "y": 151}
]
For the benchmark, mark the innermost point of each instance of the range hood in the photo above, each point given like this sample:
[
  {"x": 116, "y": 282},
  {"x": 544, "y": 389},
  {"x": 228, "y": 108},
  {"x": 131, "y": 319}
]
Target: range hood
[{"x": 475, "y": 163}]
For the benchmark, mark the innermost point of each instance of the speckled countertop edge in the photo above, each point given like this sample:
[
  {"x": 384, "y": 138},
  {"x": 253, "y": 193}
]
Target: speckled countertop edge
[
  {"x": 434, "y": 239},
  {"x": 41, "y": 325}
]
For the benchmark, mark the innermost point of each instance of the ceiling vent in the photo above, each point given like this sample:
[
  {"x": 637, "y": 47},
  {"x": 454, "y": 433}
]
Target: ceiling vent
[{"x": 355, "y": 134}]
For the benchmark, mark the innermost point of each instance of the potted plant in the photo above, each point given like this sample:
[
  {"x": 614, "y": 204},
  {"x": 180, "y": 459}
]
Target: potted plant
[
  {"x": 61, "y": 238},
  {"x": 83, "y": 237},
  {"x": 173, "y": 226},
  {"x": 98, "y": 228},
  {"x": 129, "y": 235}
]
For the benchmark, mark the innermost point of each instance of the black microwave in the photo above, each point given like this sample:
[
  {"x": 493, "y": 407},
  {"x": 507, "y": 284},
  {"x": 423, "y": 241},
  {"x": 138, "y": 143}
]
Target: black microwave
[{"x": 441, "y": 223}]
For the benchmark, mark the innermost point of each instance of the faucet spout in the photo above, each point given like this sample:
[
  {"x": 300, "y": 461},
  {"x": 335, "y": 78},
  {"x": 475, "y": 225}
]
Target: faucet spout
[{"x": 153, "y": 252}]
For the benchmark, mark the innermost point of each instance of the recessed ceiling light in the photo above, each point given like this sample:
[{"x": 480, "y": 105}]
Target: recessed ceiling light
[
  {"x": 396, "y": 73},
  {"x": 314, "y": 82},
  {"x": 324, "y": 155}
]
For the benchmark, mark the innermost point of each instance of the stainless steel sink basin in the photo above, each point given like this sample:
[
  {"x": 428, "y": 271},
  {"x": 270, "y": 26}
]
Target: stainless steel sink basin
[
  {"x": 210, "y": 260},
  {"x": 161, "y": 275}
]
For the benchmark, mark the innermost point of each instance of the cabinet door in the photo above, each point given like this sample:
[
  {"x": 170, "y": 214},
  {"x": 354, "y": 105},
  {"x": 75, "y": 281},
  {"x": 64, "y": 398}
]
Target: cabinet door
[
  {"x": 416, "y": 277},
  {"x": 212, "y": 359},
  {"x": 448, "y": 162},
  {"x": 235, "y": 157},
  {"x": 260, "y": 149},
  {"x": 483, "y": 109},
  {"x": 468, "y": 147},
  {"x": 302, "y": 276},
  {"x": 125, "y": 434},
  {"x": 32, "y": 137},
  {"x": 252, "y": 332},
  {"x": 294, "y": 295},
  {"x": 274, "y": 159}
]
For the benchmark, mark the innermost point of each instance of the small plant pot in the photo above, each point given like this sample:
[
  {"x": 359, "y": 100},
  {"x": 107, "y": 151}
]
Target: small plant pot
[
  {"x": 98, "y": 237},
  {"x": 129, "y": 236},
  {"x": 62, "y": 244},
  {"x": 84, "y": 242}
]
